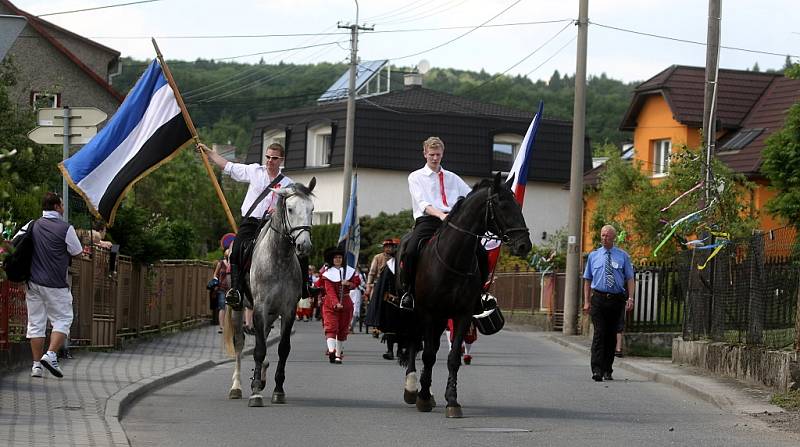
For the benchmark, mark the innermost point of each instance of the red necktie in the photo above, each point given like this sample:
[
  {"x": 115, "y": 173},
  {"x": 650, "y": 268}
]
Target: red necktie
[{"x": 441, "y": 188}]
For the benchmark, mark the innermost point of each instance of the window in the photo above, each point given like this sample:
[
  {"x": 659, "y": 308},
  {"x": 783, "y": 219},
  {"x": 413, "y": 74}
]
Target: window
[
  {"x": 319, "y": 146},
  {"x": 322, "y": 218},
  {"x": 504, "y": 148},
  {"x": 661, "y": 150},
  {"x": 41, "y": 100}
]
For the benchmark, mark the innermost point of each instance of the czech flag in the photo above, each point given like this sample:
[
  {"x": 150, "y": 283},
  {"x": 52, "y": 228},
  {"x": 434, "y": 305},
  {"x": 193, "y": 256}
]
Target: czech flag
[
  {"x": 147, "y": 131},
  {"x": 519, "y": 178}
]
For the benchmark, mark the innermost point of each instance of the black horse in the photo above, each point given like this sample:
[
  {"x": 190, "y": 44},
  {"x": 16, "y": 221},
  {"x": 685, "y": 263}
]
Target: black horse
[{"x": 449, "y": 283}]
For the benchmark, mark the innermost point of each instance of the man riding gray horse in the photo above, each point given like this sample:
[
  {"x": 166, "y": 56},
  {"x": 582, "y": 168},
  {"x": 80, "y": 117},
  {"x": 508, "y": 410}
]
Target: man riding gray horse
[{"x": 257, "y": 207}]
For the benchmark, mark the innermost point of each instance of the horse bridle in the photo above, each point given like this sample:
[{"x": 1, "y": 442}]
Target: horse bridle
[
  {"x": 489, "y": 216},
  {"x": 290, "y": 233}
]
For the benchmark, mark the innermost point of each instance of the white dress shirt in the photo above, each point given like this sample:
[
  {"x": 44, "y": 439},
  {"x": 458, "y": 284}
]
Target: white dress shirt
[
  {"x": 256, "y": 175},
  {"x": 74, "y": 247},
  {"x": 423, "y": 184}
]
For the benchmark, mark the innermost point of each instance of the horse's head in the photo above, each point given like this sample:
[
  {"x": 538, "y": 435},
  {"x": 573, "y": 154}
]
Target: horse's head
[
  {"x": 506, "y": 220},
  {"x": 296, "y": 214}
]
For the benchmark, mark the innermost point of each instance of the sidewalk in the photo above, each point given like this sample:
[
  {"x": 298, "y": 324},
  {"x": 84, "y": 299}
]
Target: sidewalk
[
  {"x": 84, "y": 407},
  {"x": 727, "y": 394}
]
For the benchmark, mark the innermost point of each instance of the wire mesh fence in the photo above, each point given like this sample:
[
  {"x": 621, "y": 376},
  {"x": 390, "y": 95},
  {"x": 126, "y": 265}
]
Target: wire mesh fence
[{"x": 747, "y": 293}]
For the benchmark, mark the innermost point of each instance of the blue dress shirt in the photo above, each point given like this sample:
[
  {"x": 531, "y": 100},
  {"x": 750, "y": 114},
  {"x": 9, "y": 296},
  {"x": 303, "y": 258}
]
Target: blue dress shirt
[{"x": 621, "y": 269}]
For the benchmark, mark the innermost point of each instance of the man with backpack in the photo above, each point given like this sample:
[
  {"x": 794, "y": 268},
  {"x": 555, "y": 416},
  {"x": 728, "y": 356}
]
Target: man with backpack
[{"x": 48, "y": 295}]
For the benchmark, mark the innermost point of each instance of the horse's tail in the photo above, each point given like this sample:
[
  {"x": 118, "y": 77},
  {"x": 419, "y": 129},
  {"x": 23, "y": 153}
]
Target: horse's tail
[{"x": 228, "y": 332}]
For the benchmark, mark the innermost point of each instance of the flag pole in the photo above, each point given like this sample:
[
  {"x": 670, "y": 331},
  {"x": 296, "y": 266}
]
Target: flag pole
[{"x": 192, "y": 129}]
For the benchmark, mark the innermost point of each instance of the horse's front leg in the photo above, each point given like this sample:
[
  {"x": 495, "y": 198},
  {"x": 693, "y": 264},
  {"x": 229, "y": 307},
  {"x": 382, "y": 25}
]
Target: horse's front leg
[
  {"x": 460, "y": 326},
  {"x": 284, "y": 347},
  {"x": 432, "y": 339},
  {"x": 259, "y": 356},
  {"x": 409, "y": 345}
]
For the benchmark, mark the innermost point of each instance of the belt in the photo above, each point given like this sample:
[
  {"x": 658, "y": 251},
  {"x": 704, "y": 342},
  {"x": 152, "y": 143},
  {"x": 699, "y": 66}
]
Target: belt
[{"x": 608, "y": 295}]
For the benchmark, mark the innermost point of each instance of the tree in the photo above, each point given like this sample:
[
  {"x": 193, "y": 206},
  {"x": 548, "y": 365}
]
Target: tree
[{"x": 781, "y": 163}]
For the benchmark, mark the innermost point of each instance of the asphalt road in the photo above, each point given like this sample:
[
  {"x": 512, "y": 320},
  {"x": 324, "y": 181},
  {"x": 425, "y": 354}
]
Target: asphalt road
[{"x": 520, "y": 390}]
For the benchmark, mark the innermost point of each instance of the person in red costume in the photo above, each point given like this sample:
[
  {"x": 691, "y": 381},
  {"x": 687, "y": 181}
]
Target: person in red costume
[{"x": 337, "y": 308}]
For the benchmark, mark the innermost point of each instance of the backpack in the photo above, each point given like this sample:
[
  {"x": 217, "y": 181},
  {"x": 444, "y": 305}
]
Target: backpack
[{"x": 17, "y": 264}]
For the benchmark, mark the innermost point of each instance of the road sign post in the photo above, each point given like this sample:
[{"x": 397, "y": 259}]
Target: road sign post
[{"x": 66, "y": 126}]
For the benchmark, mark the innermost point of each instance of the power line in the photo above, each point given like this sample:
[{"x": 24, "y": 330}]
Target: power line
[
  {"x": 97, "y": 7},
  {"x": 279, "y": 51},
  {"x": 425, "y": 14},
  {"x": 552, "y": 56},
  {"x": 460, "y": 36},
  {"x": 694, "y": 42},
  {"x": 259, "y": 36}
]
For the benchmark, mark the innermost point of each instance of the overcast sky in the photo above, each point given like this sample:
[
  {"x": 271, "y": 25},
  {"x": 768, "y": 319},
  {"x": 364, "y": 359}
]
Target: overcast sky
[{"x": 763, "y": 25}]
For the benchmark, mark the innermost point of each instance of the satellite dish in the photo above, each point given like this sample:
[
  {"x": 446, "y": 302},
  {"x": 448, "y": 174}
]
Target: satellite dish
[{"x": 423, "y": 66}]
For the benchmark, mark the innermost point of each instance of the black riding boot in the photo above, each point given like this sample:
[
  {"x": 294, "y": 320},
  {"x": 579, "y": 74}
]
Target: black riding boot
[
  {"x": 234, "y": 296},
  {"x": 407, "y": 284}
]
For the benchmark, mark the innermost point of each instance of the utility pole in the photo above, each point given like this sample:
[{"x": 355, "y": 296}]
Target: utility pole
[
  {"x": 710, "y": 94},
  {"x": 65, "y": 155},
  {"x": 572, "y": 294},
  {"x": 351, "y": 111}
]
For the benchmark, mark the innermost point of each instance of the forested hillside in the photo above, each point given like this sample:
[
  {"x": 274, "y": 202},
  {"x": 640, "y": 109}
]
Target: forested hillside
[{"x": 225, "y": 97}]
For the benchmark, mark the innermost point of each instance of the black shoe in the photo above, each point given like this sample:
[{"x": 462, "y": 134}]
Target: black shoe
[
  {"x": 597, "y": 377},
  {"x": 332, "y": 357},
  {"x": 234, "y": 299},
  {"x": 618, "y": 354},
  {"x": 388, "y": 356},
  {"x": 249, "y": 330},
  {"x": 607, "y": 376},
  {"x": 407, "y": 301}
]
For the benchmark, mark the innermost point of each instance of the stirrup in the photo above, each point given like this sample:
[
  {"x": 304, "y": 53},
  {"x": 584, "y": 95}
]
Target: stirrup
[
  {"x": 234, "y": 299},
  {"x": 407, "y": 301}
]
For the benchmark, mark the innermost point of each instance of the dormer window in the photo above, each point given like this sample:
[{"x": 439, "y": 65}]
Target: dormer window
[
  {"x": 505, "y": 147},
  {"x": 319, "y": 146}
]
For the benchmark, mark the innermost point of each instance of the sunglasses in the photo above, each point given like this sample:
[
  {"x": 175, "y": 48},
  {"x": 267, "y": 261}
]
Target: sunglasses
[{"x": 269, "y": 157}]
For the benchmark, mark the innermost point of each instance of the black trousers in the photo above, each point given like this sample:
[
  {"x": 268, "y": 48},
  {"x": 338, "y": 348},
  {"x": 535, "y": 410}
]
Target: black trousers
[{"x": 605, "y": 311}]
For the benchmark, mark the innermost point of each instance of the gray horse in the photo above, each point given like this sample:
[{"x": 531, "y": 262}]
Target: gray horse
[{"x": 275, "y": 274}]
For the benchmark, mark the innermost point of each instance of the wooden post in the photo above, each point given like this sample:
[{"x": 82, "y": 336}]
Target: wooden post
[
  {"x": 797, "y": 325},
  {"x": 192, "y": 129}
]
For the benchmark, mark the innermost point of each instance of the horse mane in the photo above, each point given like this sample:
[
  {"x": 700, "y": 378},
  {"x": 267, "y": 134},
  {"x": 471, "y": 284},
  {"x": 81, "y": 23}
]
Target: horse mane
[{"x": 485, "y": 183}]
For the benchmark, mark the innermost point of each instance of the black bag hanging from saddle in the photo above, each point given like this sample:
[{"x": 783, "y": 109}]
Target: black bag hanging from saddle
[{"x": 17, "y": 264}]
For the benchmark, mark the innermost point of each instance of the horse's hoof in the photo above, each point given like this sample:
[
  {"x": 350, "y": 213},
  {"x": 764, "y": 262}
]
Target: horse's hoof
[
  {"x": 424, "y": 406},
  {"x": 255, "y": 401},
  {"x": 453, "y": 412},
  {"x": 410, "y": 397},
  {"x": 278, "y": 398},
  {"x": 235, "y": 394}
]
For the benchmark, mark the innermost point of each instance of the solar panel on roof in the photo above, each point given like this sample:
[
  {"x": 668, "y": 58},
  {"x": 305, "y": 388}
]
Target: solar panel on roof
[{"x": 365, "y": 71}]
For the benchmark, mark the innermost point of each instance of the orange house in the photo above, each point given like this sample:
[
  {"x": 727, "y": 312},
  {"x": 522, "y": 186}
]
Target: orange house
[{"x": 666, "y": 112}]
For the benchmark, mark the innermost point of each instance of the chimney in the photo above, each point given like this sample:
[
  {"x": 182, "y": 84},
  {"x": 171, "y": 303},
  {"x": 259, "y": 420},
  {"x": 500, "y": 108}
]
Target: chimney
[{"x": 412, "y": 80}]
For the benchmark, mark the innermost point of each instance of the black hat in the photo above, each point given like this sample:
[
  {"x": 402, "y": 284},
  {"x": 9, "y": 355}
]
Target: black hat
[{"x": 331, "y": 252}]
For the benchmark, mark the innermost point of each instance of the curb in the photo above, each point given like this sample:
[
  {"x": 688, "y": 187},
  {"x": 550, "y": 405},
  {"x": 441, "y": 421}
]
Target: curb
[
  {"x": 712, "y": 394},
  {"x": 119, "y": 402}
]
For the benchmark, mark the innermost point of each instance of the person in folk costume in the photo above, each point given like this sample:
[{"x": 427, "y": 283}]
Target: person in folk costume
[
  {"x": 380, "y": 285},
  {"x": 375, "y": 268},
  {"x": 337, "y": 308},
  {"x": 469, "y": 338},
  {"x": 357, "y": 296}
]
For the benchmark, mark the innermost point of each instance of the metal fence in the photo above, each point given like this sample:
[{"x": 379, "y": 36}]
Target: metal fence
[
  {"x": 531, "y": 292},
  {"x": 747, "y": 294},
  {"x": 126, "y": 300}
]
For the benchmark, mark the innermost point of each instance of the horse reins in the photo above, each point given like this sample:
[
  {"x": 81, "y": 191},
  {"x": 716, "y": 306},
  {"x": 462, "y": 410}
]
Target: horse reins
[
  {"x": 489, "y": 216},
  {"x": 290, "y": 233}
]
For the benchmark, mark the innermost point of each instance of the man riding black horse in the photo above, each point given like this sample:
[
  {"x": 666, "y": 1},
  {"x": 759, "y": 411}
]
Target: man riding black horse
[
  {"x": 257, "y": 208},
  {"x": 434, "y": 191}
]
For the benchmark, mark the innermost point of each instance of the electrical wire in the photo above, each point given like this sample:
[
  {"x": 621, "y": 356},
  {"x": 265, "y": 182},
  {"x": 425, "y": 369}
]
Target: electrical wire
[
  {"x": 278, "y": 51},
  {"x": 460, "y": 36},
  {"x": 552, "y": 56},
  {"x": 694, "y": 42},
  {"x": 96, "y": 8},
  {"x": 424, "y": 15}
]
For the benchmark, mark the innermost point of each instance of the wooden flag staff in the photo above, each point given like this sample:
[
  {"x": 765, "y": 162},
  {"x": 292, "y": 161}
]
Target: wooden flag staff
[{"x": 192, "y": 129}]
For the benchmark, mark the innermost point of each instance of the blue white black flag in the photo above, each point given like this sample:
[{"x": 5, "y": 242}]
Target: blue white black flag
[
  {"x": 147, "y": 131},
  {"x": 350, "y": 233}
]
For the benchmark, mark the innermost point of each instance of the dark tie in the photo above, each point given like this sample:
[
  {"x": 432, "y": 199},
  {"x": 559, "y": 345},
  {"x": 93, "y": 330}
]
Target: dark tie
[
  {"x": 441, "y": 188},
  {"x": 609, "y": 272}
]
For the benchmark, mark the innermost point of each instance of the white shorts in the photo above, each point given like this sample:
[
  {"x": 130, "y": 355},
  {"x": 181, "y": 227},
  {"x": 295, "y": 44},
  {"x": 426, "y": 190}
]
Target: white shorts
[{"x": 47, "y": 302}]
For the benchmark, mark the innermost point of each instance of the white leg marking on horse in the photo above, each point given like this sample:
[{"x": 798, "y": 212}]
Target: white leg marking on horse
[{"x": 411, "y": 381}]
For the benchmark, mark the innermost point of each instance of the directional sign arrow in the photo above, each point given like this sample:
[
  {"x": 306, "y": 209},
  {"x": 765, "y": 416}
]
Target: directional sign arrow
[
  {"x": 55, "y": 135},
  {"x": 78, "y": 116}
]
